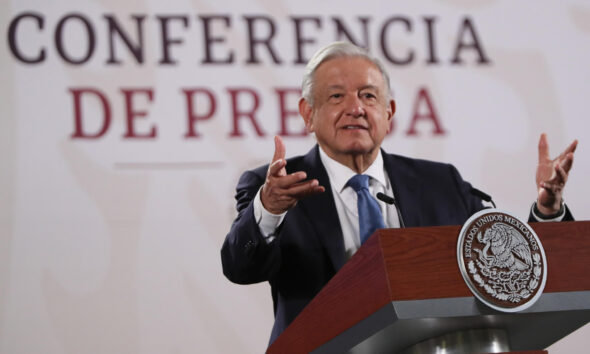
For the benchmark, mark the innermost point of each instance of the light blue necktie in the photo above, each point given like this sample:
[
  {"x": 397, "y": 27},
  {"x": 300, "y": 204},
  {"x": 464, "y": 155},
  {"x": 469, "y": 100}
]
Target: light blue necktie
[{"x": 370, "y": 217}]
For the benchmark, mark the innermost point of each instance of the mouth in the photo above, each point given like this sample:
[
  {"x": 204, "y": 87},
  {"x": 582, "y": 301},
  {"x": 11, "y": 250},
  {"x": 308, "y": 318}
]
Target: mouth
[{"x": 354, "y": 127}]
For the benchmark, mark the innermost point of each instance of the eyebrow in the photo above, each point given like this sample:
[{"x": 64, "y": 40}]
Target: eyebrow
[
  {"x": 369, "y": 87},
  {"x": 340, "y": 87}
]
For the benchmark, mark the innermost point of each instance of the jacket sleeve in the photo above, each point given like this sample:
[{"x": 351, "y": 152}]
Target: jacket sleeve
[
  {"x": 246, "y": 257},
  {"x": 566, "y": 217}
]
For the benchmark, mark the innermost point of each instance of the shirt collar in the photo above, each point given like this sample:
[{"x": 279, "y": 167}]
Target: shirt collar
[{"x": 340, "y": 174}]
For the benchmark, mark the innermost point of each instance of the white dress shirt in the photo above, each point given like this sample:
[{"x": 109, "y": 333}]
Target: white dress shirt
[{"x": 345, "y": 199}]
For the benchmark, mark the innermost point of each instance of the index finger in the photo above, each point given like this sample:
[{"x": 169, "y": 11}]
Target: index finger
[
  {"x": 279, "y": 149},
  {"x": 305, "y": 189}
]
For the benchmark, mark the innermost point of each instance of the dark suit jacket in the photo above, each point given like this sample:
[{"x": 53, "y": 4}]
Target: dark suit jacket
[{"x": 309, "y": 247}]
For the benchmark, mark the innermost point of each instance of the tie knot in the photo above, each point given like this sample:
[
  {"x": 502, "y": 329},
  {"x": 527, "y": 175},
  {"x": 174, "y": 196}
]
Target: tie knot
[{"x": 358, "y": 182}]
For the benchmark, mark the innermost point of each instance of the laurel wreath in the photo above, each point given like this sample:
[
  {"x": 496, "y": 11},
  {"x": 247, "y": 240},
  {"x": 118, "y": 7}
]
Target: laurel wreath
[{"x": 523, "y": 283}]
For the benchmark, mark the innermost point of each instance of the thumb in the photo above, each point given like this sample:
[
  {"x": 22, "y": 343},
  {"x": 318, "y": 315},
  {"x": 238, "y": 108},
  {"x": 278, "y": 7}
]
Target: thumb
[{"x": 543, "y": 148}]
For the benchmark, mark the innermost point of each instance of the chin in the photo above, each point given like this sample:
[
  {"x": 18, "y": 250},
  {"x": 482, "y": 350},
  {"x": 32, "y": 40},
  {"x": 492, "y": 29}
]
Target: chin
[{"x": 359, "y": 148}]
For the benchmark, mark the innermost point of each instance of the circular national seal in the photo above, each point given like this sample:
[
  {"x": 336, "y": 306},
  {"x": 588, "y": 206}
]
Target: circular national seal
[{"x": 502, "y": 260}]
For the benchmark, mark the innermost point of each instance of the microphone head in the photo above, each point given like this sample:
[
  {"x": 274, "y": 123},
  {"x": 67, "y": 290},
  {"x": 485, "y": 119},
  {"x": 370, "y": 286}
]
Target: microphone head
[
  {"x": 483, "y": 196},
  {"x": 391, "y": 201},
  {"x": 385, "y": 198}
]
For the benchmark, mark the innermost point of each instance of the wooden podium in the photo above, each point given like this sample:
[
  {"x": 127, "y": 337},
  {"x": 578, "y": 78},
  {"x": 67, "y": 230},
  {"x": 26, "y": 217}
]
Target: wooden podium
[{"x": 403, "y": 287}]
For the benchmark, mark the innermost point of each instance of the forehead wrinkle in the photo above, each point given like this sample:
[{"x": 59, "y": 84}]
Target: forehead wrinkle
[{"x": 335, "y": 87}]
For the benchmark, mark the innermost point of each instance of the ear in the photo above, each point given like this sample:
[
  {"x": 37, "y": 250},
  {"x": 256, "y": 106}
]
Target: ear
[
  {"x": 390, "y": 113},
  {"x": 306, "y": 112},
  {"x": 390, "y": 109}
]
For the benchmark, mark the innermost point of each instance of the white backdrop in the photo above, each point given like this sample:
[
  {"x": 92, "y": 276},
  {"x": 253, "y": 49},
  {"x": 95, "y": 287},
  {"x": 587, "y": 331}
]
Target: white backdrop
[{"x": 111, "y": 244}]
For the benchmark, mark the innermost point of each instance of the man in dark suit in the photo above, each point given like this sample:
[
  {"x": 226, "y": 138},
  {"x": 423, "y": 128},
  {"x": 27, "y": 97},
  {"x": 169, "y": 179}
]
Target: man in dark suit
[{"x": 298, "y": 220}]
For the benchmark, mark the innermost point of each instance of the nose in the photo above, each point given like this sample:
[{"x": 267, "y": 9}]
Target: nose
[{"x": 355, "y": 107}]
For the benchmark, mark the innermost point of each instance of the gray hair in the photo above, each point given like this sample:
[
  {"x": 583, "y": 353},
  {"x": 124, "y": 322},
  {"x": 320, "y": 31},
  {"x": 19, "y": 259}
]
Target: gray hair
[{"x": 336, "y": 50}]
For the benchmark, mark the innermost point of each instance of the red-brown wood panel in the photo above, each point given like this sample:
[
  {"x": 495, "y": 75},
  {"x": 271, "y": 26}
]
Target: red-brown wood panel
[{"x": 420, "y": 263}]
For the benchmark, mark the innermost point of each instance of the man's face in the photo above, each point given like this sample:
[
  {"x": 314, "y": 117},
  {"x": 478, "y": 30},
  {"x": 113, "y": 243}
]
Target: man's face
[{"x": 351, "y": 113}]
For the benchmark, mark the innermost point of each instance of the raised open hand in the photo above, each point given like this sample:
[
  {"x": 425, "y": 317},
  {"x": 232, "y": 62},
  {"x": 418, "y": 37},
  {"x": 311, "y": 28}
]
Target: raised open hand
[
  {"x": 282, "y": 191},
  {"x": 552, "y": 175}
]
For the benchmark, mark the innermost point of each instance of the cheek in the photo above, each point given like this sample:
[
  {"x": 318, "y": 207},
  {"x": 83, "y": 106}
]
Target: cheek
[
  {"x": 382, "y": 126},
  {"x": 321, "y": 120}
]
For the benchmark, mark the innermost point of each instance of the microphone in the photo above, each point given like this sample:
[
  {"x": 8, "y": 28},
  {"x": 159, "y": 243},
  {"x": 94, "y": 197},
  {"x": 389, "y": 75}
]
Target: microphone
[
  {"x": 391, "y": 201},
  {"x": 483, "y": 196}
]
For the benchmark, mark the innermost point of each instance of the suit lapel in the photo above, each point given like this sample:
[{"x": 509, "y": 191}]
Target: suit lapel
[
  {"x": 321, "y": 211},
  {"x": 406, "y": 188}
]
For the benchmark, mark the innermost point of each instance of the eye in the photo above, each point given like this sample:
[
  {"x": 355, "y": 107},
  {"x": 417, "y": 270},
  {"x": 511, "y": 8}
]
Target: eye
[
  {"x": 369, "y": 95},
  {"x": 336, "y": 97}
]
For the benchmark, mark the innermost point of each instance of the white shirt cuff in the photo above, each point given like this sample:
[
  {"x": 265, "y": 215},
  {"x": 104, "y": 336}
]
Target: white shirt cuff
[
  {"x": 267, "y": 221},
  {"x": 538, "y": 218}
]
